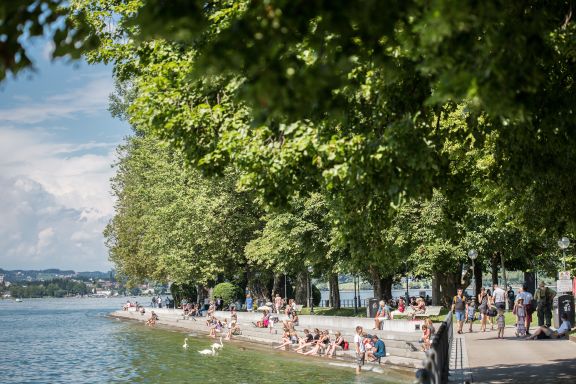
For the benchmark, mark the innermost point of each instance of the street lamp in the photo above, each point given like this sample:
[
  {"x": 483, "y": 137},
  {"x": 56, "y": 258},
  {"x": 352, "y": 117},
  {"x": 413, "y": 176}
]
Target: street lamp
[
  {"x": 285, "y": 291},
  {"x": 311, "y": 294},
  {"x": 407, "y": 294},
  {"x": 472, "y": 254},
  {"x": 563, "y": 243}
]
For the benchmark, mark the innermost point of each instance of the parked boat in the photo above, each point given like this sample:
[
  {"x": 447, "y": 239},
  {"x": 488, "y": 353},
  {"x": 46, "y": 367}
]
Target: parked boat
[{"x": 18, "y": 300}]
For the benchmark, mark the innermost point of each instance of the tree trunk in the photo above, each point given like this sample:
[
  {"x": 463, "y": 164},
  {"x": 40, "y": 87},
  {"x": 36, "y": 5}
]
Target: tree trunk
[
  {"x": 530, "y": 281},
  {"x": 449, "y": 282},
  {"x": 386, "y": 287},
  {"x": 301, "y": 288},
  {"x": 376, "y": 283},
  {"x": 436, "y": 292},
  {"x": 334, "y": 291},
  {"x": 477, "y": 278},
  {"x": 276, "y": 286},
  {"x": 495, "y": 261}
]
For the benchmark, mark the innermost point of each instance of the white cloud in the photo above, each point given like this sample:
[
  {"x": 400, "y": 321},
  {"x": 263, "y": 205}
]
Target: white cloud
[
  {"x": 79, "y": 180},
  {"x": 90, "y": 99},
  {"x": 45, "y": 234},
  {"x": 55, "y": 169}
]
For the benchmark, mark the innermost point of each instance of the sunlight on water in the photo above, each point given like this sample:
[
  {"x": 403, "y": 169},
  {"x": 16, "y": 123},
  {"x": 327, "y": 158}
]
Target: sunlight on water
[{"x": 73, "y": 341}]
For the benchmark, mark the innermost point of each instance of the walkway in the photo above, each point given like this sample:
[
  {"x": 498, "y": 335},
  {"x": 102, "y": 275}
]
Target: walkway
[{"x": 515, "y": 360}]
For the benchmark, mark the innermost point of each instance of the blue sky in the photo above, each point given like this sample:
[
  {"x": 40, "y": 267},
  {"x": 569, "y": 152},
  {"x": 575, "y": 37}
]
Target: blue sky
[{"x": 57, "y": 146}]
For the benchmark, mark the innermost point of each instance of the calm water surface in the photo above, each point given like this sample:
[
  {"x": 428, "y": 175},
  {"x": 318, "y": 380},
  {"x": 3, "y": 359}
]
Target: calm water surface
[{"x": 73, "y": 341}]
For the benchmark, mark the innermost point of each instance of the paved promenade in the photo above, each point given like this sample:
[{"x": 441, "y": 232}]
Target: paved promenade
[{"x": 515, "y": 360}]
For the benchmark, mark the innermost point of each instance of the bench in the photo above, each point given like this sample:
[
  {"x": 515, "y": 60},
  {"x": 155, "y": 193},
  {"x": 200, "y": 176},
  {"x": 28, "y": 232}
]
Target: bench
[{"x": 430, "y": 311}]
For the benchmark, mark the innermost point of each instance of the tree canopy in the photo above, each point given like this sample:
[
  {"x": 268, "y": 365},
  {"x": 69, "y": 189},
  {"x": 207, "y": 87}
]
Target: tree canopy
[{"x": 419, "y": 129}]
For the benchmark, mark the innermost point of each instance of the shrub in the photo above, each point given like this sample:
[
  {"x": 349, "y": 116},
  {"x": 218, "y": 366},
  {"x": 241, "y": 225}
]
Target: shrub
[{"x": 228, "y": 292}]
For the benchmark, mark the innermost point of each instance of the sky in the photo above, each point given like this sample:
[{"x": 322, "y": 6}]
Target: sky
[{"x": 57, "y": 150}]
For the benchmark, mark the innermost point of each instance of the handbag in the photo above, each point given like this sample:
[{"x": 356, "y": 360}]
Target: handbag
[{"x": 491, "y": 312}]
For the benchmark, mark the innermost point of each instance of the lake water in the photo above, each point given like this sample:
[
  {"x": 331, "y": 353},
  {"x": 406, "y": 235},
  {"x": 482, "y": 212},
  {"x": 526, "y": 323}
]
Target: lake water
[{"x": 73, "y": 341}]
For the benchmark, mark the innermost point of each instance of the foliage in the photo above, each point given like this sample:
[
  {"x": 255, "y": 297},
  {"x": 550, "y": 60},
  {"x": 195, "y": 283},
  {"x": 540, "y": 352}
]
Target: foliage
[
  {"x": 182, "y": 292},
  {"x": 52, "y": 288},
  {"x": 171, "y": 224},
  {"x": 228, "y": 292}
]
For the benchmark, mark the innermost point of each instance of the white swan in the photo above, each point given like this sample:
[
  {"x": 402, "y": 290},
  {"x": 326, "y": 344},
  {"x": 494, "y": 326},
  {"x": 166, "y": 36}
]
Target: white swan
[
  {"x": 218, "y": 345},
  {"x": 208, "y": 351},
  {"x": 185, "y": 346}
]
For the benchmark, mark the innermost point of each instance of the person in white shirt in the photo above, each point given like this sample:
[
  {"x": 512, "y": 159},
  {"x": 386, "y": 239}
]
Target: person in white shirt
[
  {"x": 499, "y": 297},
  {"x": 360, "y": 348},
  {"x": 543, "y": 332},
  {"x": 527, "y": 299}
]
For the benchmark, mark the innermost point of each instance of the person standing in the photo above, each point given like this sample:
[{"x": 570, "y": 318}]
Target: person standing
[
  {"x": 499, "y": 297},
  {"x": 249, "y": 303},
  {"x": 458, "y": 307},
  {"x": 544, "y": 297},
  {"x": 527, "y": 298},
  {"x": 483, "y": 307},
  {"x": 520, "y": 312},
  {"x": 360, "y": 348},
  {"x": 511, "y": 297}
]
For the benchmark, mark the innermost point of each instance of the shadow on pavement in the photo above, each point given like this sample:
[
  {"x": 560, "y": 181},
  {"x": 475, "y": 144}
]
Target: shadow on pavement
[{"x": 555, "y": 371}]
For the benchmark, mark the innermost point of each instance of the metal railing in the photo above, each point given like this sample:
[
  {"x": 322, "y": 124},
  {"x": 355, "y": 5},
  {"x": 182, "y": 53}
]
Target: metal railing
[
  {"x": 347, "y": 303},
  {"x": 437, "y": 362}
]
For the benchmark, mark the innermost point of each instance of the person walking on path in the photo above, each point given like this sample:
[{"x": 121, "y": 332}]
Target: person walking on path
[
  {"x": 471, "y": 313},
  {"x": 483, "y": 307},
  {"x": 459, "y": 307},
  {"x": 499, "y": 297},
  {"x": 501, "y": 321},
  {"x": 544, "y": 297},
  {"x": 511, "y": 297}
]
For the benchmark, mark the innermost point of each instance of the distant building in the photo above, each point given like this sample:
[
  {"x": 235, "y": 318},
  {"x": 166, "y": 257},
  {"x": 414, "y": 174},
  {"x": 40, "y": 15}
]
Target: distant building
[{"x": 1, "y": 279}]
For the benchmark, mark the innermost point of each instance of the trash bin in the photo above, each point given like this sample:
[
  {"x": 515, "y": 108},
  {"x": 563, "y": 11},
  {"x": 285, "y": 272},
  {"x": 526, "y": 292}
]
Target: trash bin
[
  {"x": 372, "y": 307},
  {"x": 563, "y": 304}
]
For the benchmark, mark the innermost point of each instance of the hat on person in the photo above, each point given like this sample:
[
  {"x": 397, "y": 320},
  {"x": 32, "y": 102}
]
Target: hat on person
[{"x": 541, "y": 284}]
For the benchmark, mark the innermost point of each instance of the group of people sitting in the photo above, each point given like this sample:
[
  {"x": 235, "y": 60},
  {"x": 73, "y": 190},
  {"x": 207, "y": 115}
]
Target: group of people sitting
[
  {"x": 312, "y": 343},
  {"x": 217, "y": 326},
  {"x": 190, "y": 310},
  {"x": 268, "y": 318},
  {"x": 385, "y": 312}
]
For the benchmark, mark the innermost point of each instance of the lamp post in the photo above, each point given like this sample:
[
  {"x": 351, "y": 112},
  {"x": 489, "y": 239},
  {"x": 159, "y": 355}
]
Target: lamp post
[
  {"x": 355, "y": 297},
  {"x": 285, "y": 291},
  {"x": 311, "y": 294},
  {"x": 563, "y": 243},
  {"x": 406, "y": 272},
  {"x": 472, "y": 254}
]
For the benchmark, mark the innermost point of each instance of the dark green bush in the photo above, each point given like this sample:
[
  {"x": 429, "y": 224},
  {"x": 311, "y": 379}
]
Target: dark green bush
[{"x": 228, "y": 292}]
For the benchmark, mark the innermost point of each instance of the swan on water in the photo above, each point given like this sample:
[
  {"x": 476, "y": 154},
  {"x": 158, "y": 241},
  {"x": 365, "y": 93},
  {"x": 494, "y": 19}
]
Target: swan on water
[
  {"x": 185, "y": 346},
  {"x": 218, "y": 345},
  {"x": 208, "y": 351}
]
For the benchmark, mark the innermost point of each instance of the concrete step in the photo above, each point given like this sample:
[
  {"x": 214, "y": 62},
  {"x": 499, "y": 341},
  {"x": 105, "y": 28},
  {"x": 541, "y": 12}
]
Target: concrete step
[{"x": 396, "y": 347}]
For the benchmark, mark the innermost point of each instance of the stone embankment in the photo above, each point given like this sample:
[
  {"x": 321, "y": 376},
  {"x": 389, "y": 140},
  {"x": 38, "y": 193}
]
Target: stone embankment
[{"x": 400, "y": 336}]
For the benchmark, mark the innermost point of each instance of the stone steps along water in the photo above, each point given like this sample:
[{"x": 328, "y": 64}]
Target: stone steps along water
[{"x": 400, "y": 353}]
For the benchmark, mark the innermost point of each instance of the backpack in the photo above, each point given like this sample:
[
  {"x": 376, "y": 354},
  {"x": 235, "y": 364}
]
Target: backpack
[{"x": 345, "y": 346}]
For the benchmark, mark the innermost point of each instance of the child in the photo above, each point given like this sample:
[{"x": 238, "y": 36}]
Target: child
[
  {"x": 470, "y": 313},
  {"x": 501, "y": 323},
  {"x": 425, "y": 339},
  {"x": 520, "y": 312}
]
